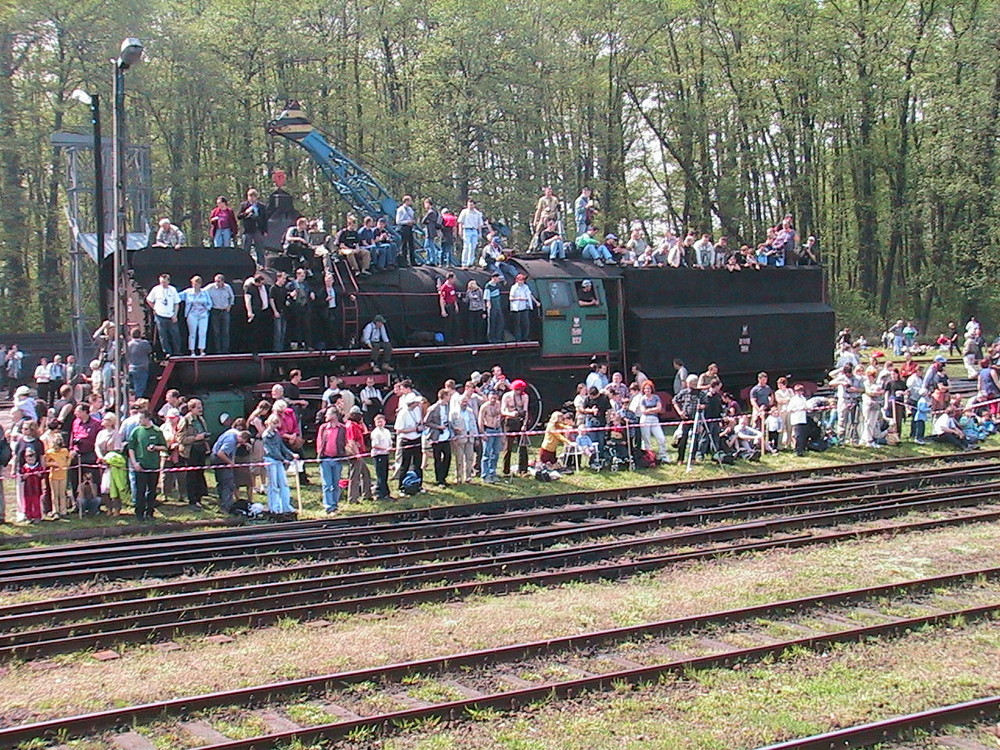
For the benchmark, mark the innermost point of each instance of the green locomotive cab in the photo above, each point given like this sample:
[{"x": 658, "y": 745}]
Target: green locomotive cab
[{"x": 576, "y": 317}]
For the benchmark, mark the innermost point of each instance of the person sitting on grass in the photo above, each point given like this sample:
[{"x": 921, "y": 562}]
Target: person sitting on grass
[{"x": 946, "y": 430}]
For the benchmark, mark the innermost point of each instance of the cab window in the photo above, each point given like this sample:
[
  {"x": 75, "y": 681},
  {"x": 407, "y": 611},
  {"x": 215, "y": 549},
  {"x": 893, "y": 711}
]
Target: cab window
[{"x": 561, "y": 294}]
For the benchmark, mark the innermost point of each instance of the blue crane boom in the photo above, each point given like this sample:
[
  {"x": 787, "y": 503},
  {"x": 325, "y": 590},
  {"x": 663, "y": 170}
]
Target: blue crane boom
[{"x": 361, "y": 191}]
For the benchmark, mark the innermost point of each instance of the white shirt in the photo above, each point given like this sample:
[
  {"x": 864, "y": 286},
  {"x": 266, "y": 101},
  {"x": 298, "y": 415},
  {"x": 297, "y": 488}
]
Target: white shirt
[
  {"x": 797, "y": 406},
  {"x": 374, "y": 333},
  {"x": 470, "y": 218},
  {"x": 381, "y": 440},
  {"x": 520, "y": 297},
  {"x": 165, "y": 300},
  {"x": 943, "y": 423}
]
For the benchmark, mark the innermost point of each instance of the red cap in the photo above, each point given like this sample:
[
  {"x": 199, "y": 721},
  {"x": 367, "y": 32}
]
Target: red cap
[{"x": 519, "y": 385}]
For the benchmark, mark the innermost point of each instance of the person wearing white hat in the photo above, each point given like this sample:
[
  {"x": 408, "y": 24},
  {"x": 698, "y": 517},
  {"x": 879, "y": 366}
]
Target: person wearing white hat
[{"x": 24, "y": 401}]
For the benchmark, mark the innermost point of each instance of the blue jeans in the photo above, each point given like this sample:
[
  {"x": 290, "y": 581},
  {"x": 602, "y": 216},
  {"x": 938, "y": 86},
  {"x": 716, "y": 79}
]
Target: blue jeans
[
  {"x": 330, "y": 469},
  {"x": 218, "y": 328},
  {"x": 138, "y": 379},
  {"x": 432, "y": 252},
  {"x": 470, "y": 245},
  {"x": 170, "y": 335},
  {"x": 223, "y": 238},
  {"x": 225, "y": 481},
  {"x": 197, "y": 332},
  {"x": 897, "y": 345},
  {"x": 447, "y": 254},
  {"x": 557, "y": 250},
  {"x": 279, "y": 498},
  {"x": 597, "y": 252},
  {"x": 492, "y": 442},
  {"x": 280, "y": 331}
]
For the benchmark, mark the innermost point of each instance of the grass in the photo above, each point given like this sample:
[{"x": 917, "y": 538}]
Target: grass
[
  {"x": 723, "y": 709},
  {"x": 263, "y": 655},
  {"x": 586, "y": 480}
]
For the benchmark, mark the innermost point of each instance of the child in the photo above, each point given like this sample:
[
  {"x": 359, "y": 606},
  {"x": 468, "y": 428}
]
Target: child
[
  {"x": 920, "y": 415},
  {"x": 57, "y": 461},
  {"x": 773, "y": 425},
  {"x": 88, "y": 501},
  {"x": 119, "y": 489},
  {"x": 617, "y": 442},
  {"x": 382, "y": 443},
  {"x": 555, "y": 436},
  {"x": 33, "y": 485}
]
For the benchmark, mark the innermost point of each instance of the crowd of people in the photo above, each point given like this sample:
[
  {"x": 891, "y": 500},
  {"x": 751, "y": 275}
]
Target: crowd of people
[
  {"x": 427, "y": 234},
  {"x": 67, "y": 451}
]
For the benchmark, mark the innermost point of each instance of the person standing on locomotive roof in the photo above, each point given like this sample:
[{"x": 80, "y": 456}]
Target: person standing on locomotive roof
[
  {"x": 253, "y": 214},
  {"x": 257, "y": 301},
  {"x": 223, "y": 223},
  {"x": 471, "y": 221},
  {"x": 449, "y": 228},
  {"x": 432, "y": 227},
  {"x": 279, "y": 310},
  {"x": 406, "y": 220},
  {"x": 218, "y": 317},
  {"x": 494, "y": 309}
]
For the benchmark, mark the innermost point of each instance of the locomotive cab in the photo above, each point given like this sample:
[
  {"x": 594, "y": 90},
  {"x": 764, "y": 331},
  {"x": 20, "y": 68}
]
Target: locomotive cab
[{"x": 575, "y": 316}]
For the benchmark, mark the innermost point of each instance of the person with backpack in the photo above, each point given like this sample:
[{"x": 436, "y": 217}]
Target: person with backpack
[
  {"x": 409, "y": 427},
  {"x": 331, "y": 449}
]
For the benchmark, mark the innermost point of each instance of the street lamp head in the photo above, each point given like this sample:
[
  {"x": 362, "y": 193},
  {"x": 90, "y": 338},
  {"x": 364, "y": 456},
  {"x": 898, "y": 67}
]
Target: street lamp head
[
  {"x": 81, "y": 96},
  {"x": 131, "y": 53}
]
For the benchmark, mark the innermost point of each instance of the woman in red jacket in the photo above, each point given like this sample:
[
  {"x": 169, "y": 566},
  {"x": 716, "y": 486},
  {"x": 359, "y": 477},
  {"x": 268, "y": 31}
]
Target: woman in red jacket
[{"x": 223, "y": 221}]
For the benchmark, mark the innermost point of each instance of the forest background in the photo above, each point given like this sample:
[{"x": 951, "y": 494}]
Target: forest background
[{"x": 873, "y": 122}]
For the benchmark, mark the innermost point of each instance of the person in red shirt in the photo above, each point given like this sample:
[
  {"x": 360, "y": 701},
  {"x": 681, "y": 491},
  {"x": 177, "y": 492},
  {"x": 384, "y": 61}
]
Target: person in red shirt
[
  {"x": 82, "y": 447},
  {"x": 223, "y": 221},
  {"x": 448, "y": 298},
  {"x": 360, "y": 482}
]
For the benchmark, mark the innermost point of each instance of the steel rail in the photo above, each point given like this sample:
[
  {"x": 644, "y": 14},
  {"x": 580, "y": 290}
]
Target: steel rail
[
  {"x": 97, "y": 721},
  {"x": 131, "y": 629},
  {"x": 86, "y": 550},
  {"x": 340, "y": 546},
  {"x": 157, "y": 596},
  {"x": 897, "y": 727},
  {"x": 454, "y": 710}
]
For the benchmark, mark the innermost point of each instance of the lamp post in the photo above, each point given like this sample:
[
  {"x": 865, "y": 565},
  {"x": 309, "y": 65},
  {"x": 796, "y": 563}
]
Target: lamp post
[
  {"x": 103, "y": 273},
  {"x": 131, "y": 53}
]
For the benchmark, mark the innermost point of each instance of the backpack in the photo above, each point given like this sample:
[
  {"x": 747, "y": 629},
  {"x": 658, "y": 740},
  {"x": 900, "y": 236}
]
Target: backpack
[
  {"x": 412, "y": 484},
  {"x": 646, "y": 460}
]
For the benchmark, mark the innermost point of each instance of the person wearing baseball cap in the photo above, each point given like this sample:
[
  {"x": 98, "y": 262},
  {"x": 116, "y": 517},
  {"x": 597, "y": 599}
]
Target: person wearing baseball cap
[
  {"x": 522, "y": 302},
  {"x": 514, "y": 411}
]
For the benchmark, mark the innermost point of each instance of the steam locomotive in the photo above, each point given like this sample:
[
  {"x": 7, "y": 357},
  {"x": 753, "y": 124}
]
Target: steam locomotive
[{"x": 775, "y": 320}]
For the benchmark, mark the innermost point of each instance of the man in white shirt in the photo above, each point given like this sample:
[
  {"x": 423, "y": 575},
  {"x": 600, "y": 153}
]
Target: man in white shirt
[
  {"x": 165, "y": 300},
  {"x": 704, "y": 251},
  {"x": 376, "y": 337},
  {"x": 522, "y": 302},
  {"x": 406, "y": 220},
  {"x": 471, "y": 222},
  {"x": 218, "y": 317},
  {"x": 798, "y": 417},
  {"x": 946, "y": 430}
]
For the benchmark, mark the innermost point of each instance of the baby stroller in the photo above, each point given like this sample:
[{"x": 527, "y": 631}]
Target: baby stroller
[{"x": 617, "y": 455}]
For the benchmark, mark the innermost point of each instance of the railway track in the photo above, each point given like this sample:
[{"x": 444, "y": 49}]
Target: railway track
[
  {"x": 511, "y": 676},
  {"x": 541, "y": 555},
  {"x": 180, "y": 554},
  {"x": 898, "y": 727}
]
